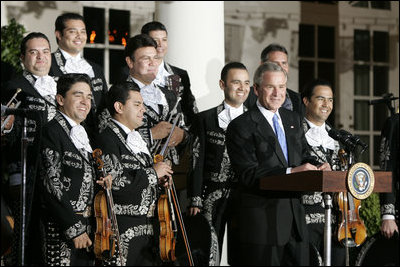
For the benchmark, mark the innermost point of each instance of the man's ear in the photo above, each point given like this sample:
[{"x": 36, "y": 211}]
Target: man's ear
[
  {"x": 58, "y": 35},
  {"x": 60, "y": 100},
  {"x": 118, "y": 107},
  {"x": 222, "y": 85},
  {"x": 129, "y": 62},
  {"x": 255, "y": 89},
  {"x": 305, "y": 101}
]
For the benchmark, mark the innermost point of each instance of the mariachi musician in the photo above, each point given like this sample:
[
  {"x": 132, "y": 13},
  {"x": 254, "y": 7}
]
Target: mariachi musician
[
  {"x": 67, "y": 177},
  {"x": 136, "y": 178},
  {"x": 161, "y": 102},
  {"x": 36, "y": 91},
  {"x": 318, "y": 100}
]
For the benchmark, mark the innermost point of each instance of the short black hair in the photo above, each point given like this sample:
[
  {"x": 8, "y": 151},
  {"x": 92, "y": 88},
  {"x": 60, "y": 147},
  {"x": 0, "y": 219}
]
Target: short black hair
[
  {"x": 272, "y": 48},
  {"x": 136, "y": 42},
  {"x": 308, "y": 89},
  {"x": 229, "y": 66},
  {"x": 66, "y": 81},
  {"x": 119, "y": 92},
  {"x": 153, "y": 26},
  {"x": 30, "y": 36},
  {"x": 60, "y": 21}
]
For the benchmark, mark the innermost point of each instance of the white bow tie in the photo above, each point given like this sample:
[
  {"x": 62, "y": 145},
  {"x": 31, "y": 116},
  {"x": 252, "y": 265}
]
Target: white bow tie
[
  {"x": 161, "y": 78},
  {"x": 78, "y": 65},
  {"x": 46, "y": 85},
  {"x": 316, "y": 136},
  {"x": 80, "y": 138},
  {"x": 227, "y": 115},
  {"x": 235, "y": 112},
  {"x": 136, "y": 143},
  {"x": 153, "y": 96}
]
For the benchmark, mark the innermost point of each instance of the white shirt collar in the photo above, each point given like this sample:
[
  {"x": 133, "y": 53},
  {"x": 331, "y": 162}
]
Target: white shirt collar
[
  {"x": 269, "y": 115},
  {"x": 312, "y": 125},
  {"x": 227, "y": 106},
  {"x": 162, "y": 74},
  {"x": 139, "y": 83},
  {"x": 70, "y": 121},
  {"x": 68, "y": 55},
  {"x": 126, "y": 129}
]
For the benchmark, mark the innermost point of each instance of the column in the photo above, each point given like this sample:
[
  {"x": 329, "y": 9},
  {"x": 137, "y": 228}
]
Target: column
[{"x": 196, "y": 44}]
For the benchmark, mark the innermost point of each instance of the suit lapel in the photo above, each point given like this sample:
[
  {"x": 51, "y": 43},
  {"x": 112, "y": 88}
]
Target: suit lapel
[{"x": 265, "y": 130}]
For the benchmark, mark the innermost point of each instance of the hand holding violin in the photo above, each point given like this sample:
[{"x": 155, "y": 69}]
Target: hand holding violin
[
  {"x": 105, "y": 181},
  {"x": 82, "y": 241},
  {"x": 193, "y": 211},
  {"x": 164, "y": 172}
]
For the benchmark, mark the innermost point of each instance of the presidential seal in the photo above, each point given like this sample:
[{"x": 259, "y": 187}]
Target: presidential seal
[{"x": 360, "y": 180}]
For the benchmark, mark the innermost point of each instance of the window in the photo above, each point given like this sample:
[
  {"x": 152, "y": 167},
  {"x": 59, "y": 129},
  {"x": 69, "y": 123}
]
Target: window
[
  {"x": 373, "y": 4},
  {"x": 371, "y": 59},
  {"x": 108, "y": 31},
  {"x": 317, "y": 56}
]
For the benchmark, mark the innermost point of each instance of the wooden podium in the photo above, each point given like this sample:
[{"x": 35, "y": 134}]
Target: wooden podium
[{"x": 321, "y": 181}]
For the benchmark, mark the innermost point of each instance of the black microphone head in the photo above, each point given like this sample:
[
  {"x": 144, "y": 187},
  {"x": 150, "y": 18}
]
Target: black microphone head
[
  {"x": 344, "y": 133},
  {"x": 334, "y": 134},
  {"x": 357, "y": 140}
]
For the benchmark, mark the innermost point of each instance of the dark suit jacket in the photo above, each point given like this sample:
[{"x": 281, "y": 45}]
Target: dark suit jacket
[
  {"x": 266, "y": 217},
  {"x": 134, "y": 178},
  {"x": 66, "y": 180},
  {"x": 211, "y": 167}
]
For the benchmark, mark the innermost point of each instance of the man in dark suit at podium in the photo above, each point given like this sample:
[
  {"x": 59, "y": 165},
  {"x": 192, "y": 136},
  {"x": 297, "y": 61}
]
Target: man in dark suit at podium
[{"x": 265, "y": 141}]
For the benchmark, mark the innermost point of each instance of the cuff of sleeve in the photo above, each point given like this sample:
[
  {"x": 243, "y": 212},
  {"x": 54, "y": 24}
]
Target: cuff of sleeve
[
  {"x": 75, "y": 230},
  {"x": 288, "y": 170},
  {"x": 388, "y": 217},
  {"x": 196, "y": 202},
  {"x": 5, "y": 131}
]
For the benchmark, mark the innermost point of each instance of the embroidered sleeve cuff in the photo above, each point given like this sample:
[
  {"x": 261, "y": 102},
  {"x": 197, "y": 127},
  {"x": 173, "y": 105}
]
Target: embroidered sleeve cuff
[
  {"x": 196, "y": 202},
  {"x": 388, "y": 209},
  {"x": 75, "y": 230}
]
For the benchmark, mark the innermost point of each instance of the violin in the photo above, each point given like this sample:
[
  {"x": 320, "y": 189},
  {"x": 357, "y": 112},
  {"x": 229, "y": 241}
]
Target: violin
[
  {"x": 168, "y": 228},
  {"x": 107, "y": 233},
  {"x": 166, "y": 214},
  {"x": 351, "y": 226},
  {"x": 351, "y": 231}
]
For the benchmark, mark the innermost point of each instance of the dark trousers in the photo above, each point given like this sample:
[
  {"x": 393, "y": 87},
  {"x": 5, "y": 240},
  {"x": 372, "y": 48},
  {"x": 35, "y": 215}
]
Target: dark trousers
[{"x": 293, "y": 253}]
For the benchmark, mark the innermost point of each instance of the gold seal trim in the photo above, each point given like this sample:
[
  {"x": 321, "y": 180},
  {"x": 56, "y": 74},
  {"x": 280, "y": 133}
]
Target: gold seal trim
[{"x": 360, "y": 180}]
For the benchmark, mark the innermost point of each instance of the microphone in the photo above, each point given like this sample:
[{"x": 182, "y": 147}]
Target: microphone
[
  {"x": 355, "y": 139},
  {"x": 383, "y": 100},
  {"x": 343, "y": 137},
  {"x": 24, "y": 112},
  {"x": 386, "y": 98}
]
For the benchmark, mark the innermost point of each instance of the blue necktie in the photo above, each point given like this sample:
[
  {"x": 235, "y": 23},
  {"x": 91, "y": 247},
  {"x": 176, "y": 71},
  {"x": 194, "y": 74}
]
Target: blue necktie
[{"x": 281, "y": 136}]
